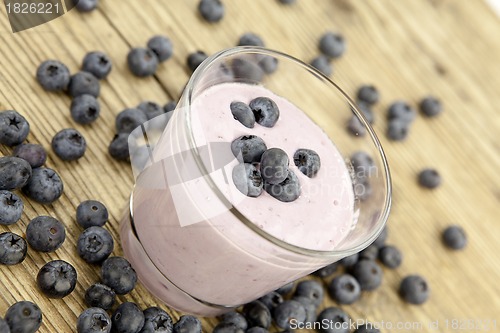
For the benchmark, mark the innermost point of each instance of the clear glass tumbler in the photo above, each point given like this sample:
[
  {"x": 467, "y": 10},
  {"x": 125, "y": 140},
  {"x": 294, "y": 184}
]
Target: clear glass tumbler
[{"x": 187, "y": 234}]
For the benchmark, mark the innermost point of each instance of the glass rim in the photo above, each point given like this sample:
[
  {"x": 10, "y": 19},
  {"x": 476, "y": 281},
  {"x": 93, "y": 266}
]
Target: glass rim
[{"x": 189, "y": 90}]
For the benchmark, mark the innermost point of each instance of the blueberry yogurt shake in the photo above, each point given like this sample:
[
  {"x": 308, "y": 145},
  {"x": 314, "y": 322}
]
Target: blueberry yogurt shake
[{"x": 282, "y": 193}]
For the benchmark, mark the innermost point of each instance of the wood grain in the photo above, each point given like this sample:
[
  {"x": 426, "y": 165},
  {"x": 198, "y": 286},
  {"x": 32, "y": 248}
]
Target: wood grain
[{"x": 408, "y": 48}]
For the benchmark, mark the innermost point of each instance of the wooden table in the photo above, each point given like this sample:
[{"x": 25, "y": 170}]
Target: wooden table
[{"x": 408, "y": 48}]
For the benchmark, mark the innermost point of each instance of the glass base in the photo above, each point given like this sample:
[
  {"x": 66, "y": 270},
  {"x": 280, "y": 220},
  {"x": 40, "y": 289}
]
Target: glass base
[{"x": 156, "y": 282}]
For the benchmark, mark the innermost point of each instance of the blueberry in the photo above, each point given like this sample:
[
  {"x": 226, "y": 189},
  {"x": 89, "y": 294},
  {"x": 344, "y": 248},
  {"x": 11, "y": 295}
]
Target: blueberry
[
  {"x": 85, "y": 5},
  {"x": 430, "y": 106},
  {"x": 11, "y": 207},
  {"x": 142, "y": 62},
  {"x": 13, "y": 249},
  {"x": 187, "y": 324},
  {"x": 57, "y": 279},
  {"x": 85, "y": 109},
  {"x": 97, "y": 63},
  {"x": 367, "y": 328},
  {"x": 34, "y": 154},
  {"x": 248, "y": 148},
  {"x": 344, "y": 289},
  {"x": 250, "y": 39},
  {"x": 117, "y": 274},
  {"x": 235, "y": 318},
  {"x": 247, "y": 71},
  {"x": 368, "y": 94},
  {"x": 170, "y": 106},
  {"x": 267, "y": 63},
  {"x": 338, "y": 321},
  {"x": 311, "y": 289},
  {"x": 369, "y": 253},
  {"x": 327, "y": 270},
  {"x": 100, "y": 296},
  {"x": 247, "y": 179},
  {"x": 53, "y": 75},
  {"x": 366, "y": 111},
  {"x": 157, "y": 320},
  {"x": 242, "y": 112},
  {"x": 309, "y": 306},
  {"x": 265, "y": 110},
  {"x": 356, "y": 127},
  {"x": 454, "y": 237},
  {"x": 286, "y": 289},
  {"x": 332, "y": 44},
  {"x": 429, "y": 178},
  {"x": 45, "y": 234},
  {"x": 368, "y": 273},
  {"x": 307, "y": 161},
  {"x": 151, "y": 109},
  {"x": 161, "y": 46},
  {"x": 45, "y": 186},
  {"x": 4, "y": 327},
  {"x": 257, "y": 314},
  {"x": 83, "y": 83},
  {"x": 195, "y": 59},
  {"x": 91, "y": 213},
  {"x": 14, "y": 128},
  {"x": 118, "y": 148},
  {"x": 349, "y": 261},
  {"x": 127, "y": 318},
  {"x": 414, "y": 289},
  {"x": 271, "y": 300},
  {"x": 24, "y": 317},
  {"x": 224, "y": 327},
  {"x": 14, "y": 172},
  {"x": 95, "y": 244},
  {"x": 129, "y": 119},
  {"x": 397, "y": 130},
  {"x": 69, "y": 144},
  {"x": 390, "y": 256},
  {"x": 286, "y": 191},
  {"x": 211, "y": 10},
  {"x": 93, "y": 320},
  {"x": 287, "y": 312},
  {"x": 382, "y": 237},
  {"x": 274, "y": 166},
  {"x": 402, "y": 111}
]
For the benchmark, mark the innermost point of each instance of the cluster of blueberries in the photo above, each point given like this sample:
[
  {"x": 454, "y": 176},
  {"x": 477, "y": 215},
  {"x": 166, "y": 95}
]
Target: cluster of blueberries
[
  {"x": 84, "y": 89},
  {"x": 400, "y": 114},
  {"x": 263, "y": 168},
  {"x": 332, "y": 45},
  {"x": 143, "y": 62}
]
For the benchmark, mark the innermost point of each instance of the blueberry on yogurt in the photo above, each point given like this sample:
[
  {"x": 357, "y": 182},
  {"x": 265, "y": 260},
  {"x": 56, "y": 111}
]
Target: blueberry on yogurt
[
  {"x": 286, "y": 191},
  {"x": 249, "y": 148},
  {"x": 265, "y": 110},
  {"x": 248, "y": 180},
  {"x": 307, "y": 161},
  {"x": 274, "y": 166}
]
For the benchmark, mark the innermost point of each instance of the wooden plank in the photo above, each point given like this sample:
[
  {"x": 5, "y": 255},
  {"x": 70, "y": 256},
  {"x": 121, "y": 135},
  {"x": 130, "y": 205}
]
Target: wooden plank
[{"x": 407, "y": 48}]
